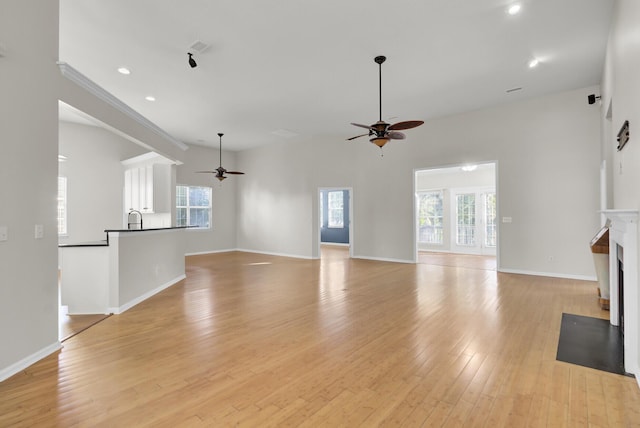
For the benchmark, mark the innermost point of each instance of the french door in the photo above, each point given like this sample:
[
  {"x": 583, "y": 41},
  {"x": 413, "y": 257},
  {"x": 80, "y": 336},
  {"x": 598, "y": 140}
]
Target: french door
[{"x": 473, "y": 222}]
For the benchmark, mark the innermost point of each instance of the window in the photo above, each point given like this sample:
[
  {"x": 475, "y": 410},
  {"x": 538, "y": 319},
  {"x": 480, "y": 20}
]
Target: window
[
  {"x": 430, "y": 218},
  {"x": 193, "y": 206},
  {"x": 62, "y": 205},
  {"x": 335, "y": 210},
  {"x": 490, "y": 219},
  {"x": 466, "y": 219}
]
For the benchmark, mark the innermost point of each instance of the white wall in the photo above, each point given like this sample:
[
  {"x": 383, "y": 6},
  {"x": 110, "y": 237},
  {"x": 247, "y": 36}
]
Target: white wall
[
  {"x": 95, "y": 179},
  {"x": 620, "y": 90},
  {"x": 222, "y": 236},
  {"x": 28, "y": 183},
  {"x": 546, "y": 149}
]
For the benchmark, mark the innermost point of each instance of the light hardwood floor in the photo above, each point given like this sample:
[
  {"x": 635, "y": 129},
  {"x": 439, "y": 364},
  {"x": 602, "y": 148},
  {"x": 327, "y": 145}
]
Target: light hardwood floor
[{"x": 257, "y": 340}]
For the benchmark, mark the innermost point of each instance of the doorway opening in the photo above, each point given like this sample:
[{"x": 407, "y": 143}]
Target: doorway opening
[
  {"x": 335, "y": 218},
  {"x": 456, "y": 213}
]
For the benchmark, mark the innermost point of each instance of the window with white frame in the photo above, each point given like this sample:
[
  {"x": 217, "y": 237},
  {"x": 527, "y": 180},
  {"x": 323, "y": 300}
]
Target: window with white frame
[
  {"x": 466, "y": 219},
  {"x": 490, "y": 219},
  {"x": 62, "y": 205},
  {"x": 335, "y": 209},
  {"x": 193, "y": 206},
  {"x": 430, "y": 211}
]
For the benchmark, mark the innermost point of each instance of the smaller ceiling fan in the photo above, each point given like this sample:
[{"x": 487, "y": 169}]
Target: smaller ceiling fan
[
  {"x": 220, "y": 171},
  {"x": 381, "y": 132}
]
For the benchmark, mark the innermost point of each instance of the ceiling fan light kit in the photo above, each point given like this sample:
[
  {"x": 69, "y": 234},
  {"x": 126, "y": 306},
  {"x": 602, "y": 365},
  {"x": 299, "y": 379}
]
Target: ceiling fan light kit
[{"x": 382, "y": 132}]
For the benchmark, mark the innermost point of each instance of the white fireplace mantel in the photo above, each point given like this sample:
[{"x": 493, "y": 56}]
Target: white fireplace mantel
[{"x": 623, "y": 232}]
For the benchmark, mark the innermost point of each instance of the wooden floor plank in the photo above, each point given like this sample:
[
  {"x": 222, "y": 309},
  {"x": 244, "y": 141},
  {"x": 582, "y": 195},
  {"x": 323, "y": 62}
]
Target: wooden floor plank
[{"x": 259, "y": 340}]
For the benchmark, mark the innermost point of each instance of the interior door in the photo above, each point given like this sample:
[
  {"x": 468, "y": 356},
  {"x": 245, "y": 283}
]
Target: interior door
[{"x": 473, "y": 221}]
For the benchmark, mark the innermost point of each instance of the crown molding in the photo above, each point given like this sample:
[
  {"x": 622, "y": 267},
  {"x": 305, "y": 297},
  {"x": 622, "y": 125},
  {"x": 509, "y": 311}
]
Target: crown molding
[{"x": 83, "y": 81}]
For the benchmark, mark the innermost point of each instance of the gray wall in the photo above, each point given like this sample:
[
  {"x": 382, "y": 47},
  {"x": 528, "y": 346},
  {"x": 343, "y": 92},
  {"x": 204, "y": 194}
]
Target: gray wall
[
  {"x": 28, "y": 181},
  {"x": 547, "y": 155}
]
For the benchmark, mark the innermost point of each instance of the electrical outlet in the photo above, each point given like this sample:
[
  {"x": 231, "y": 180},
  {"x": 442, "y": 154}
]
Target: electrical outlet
[
  {"x": 39, "y": 231},
  {"x": 4, "y": 233}
]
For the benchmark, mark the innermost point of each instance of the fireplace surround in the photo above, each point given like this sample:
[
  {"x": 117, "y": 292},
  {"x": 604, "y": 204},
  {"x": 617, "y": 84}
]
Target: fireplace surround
[{"x": 623, "y": 244}]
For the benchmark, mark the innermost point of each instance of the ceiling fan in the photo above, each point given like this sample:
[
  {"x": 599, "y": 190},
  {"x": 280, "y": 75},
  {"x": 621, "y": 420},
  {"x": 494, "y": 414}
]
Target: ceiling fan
[
  {"x": 381, "y": 132},
  {"x": 220, "y": 171}
]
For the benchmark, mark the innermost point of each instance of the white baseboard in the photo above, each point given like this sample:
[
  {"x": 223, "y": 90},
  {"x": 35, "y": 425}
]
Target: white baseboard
[
  {"x": 549, "y": 274},
  {"x": 269, "y": 253},
  {"x": 146, "y": 295},
  {"x": 17, "y": 367},
  {"x": 209, "y": 252},
  {"x": 384, "y": 259}
]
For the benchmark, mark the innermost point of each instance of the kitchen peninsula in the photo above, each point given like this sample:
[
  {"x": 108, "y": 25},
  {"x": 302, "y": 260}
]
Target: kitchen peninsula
[{"x": 128, "y": 267}]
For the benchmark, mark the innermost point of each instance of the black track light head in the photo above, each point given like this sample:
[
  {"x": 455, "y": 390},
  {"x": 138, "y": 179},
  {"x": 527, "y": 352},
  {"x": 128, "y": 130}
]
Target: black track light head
[{"x": 192, "y": 62}]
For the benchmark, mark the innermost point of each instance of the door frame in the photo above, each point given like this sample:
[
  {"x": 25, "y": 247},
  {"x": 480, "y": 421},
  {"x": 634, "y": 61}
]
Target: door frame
[
  {"x": 456, "y": 166},
  {"x": 349, "y": 220}
]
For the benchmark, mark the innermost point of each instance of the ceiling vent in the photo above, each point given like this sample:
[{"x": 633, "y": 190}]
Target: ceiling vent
[{"x": 198, "y": 47}]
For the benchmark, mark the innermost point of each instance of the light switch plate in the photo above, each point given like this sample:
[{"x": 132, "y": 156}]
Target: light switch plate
[
  {"x": 4, "y": 233},
  {"x": 507, "y": 219},
  {"x": 39, "y": 231}
]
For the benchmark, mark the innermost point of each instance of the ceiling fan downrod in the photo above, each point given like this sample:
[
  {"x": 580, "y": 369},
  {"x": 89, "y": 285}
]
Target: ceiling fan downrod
[{"x": 379, "y": 60}]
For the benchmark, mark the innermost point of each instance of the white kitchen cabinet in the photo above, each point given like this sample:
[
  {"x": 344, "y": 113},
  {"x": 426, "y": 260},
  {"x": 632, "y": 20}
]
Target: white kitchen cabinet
[{"x": 147, "y": 188}]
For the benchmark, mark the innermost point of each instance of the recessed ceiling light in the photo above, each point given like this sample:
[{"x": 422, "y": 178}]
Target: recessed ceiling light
[
  {"x": 533, "y": 63},
  {"x": 124, "y": 70},
  {"x": 514, "y": 9},
  {"x": 150, "y": 98}
]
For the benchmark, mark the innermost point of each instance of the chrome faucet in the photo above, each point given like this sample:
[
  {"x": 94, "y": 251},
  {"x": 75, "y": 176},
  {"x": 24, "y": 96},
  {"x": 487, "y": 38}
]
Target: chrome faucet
[{"x": 129, "y": 223}]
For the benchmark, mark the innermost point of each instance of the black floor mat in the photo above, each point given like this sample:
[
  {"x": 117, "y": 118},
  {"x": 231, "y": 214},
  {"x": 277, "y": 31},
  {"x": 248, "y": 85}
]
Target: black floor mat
[{"x": 591, "y": 342}]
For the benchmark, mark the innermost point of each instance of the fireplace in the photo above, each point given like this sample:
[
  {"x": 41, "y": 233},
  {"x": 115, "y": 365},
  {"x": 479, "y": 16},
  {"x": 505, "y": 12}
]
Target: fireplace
[
  {"x": 623, "y": 284},
  {"x": 620, "y": 258}
]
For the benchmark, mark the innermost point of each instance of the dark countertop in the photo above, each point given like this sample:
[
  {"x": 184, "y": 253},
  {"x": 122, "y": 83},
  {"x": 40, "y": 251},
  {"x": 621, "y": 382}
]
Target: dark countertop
[
  {"x": 86, "y": 244},
  {"x": 105, "y": 243},
  {"x": 147, "y": 229}
]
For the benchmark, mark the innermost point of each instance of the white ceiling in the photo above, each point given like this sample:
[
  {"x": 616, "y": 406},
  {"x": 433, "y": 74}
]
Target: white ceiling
[{"x": 277, "y": 67}]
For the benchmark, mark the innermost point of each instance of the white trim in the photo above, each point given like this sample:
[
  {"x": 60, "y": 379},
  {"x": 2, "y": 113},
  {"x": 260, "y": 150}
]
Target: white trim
[
  {"x": 384, "y": 259},
  {"x": 145, "y": 296},
  {"x": 17, "y": 367},
  {"x": 549, "y": 274},
  {"x": 209, "y": 252},
  {"x": 269, "y": 253},
  {"x": 83, "y": 81},
  {"x": 335, "y": 244}
]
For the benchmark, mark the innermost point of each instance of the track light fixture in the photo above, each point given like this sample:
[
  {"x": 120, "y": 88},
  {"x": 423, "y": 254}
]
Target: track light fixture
[
  {"x": 192, "y": 62},
  {"x": 592, "y": 98}
]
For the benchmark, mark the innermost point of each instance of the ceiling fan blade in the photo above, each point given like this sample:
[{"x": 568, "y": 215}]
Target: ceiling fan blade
[
  {"x": 358, "y": 136},
  {"x": 234, "y": 172},
  {"x": 395, "y": 135},
  {"x": 405, "y": 125},
  {"x": 363, "y": 126},
  {"x": 207, "y": 172}
]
